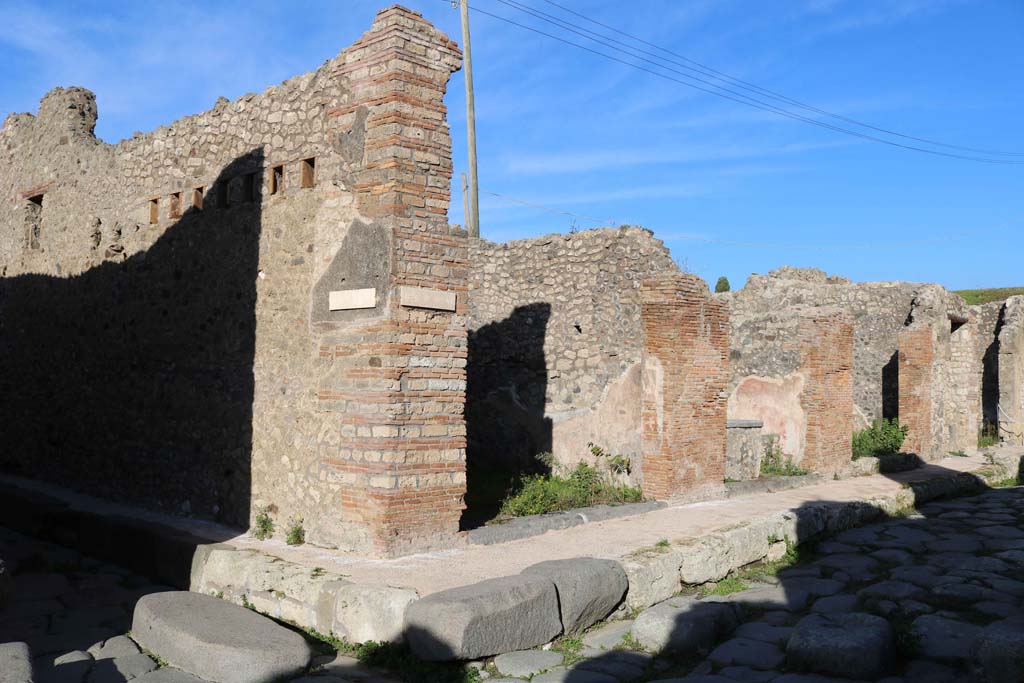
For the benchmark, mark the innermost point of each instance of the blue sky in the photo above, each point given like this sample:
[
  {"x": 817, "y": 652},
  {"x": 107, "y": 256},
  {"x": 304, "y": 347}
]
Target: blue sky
[{"x": 566, "y": 129}]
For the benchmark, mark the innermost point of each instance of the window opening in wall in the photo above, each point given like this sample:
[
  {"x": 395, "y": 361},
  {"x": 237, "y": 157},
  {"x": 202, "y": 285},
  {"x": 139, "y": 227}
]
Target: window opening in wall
[
  {"x": 249, "y": 187},
  {"x": 197, "y": 198},
  {"x": 308, "y": 172},
  {"x": 154, "y": 211},
  {"x": 277, "y": 180},
  {"x": 175, "y": 205},
  {"x": 33, "y": 221},
  {"x": 955, "y": 323}
]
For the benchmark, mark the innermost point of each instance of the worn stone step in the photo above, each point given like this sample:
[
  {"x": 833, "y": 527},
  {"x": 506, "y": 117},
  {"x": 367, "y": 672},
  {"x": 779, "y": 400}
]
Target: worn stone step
[{"x": 216, "y": 640}]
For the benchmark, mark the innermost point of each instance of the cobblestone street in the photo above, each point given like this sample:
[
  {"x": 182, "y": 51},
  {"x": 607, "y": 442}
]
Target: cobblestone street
[{"x": 934, "y": 597}]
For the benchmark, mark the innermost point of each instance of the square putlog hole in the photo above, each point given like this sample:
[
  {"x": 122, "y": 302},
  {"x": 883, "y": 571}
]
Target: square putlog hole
[
  {"x": 308, "y": 172},
  {"x": 277, "y": 180}
]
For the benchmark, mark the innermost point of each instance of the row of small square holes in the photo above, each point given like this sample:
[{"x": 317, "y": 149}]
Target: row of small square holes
[{"x": 307, "y": 179}]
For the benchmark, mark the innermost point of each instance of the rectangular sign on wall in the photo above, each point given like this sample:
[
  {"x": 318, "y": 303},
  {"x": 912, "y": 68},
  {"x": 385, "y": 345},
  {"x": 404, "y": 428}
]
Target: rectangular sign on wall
[
  {"x": 421, "y": 297},
  {"x": 349, "y": 299}
]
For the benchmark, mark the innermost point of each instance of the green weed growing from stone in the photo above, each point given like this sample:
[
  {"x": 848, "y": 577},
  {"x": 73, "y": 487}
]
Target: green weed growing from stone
[
  {"x": 264, "y": 526},
  {"x": 988, "y": 435},
  {"x": 776, "y": 464},
  {"x": 296, "y": 534},
  {"x": 569, "y": 647},
  {"x": 581, "y": 486},
  {"x": 727, "y": 586},
  {"x": 883, "y": 437}
]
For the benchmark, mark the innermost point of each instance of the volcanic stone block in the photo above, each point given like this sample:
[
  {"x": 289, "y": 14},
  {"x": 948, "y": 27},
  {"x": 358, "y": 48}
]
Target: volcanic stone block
[
  {"x": 217, "y": 640},
  {"x": 491, "y": 617},
  {"x": 588, "y": 589},
  {"x": 852, "y": 645},
  {"x": 1000, "y": 650},
  {"x": 685, "y": 626}
]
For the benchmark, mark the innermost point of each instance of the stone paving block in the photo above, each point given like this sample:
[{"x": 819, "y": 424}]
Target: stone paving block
[
  {"x": 494, "y": 616},
  {"x": 574, "y": 676},
  {"x": 589, "y": 589},
  {"x": 217, "y": 640},
  {"x": 118, "y": 646},
  {"x": 755, "y": 654},
  {"x": 943, "y": 639},
  {"x": 15, "y": 663},
  {"x": 167, "y": 675},
  {"x": 685, "y": 626},
  {"x": 854, "y": 645},
  {"x": 622, "y": 664},
  {"x": 1000, "y": 651},
  {"x": 608, "y": 636},
  {"x": 526, "y": 663}
]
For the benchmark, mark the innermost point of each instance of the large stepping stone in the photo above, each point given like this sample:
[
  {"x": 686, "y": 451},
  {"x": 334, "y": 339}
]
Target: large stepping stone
[
  {"x": 487, "y": 618},
  {"x": 217, "y": 640},
  {"x": 851, "y": 645},
  {"x": 589, "y": 589},
  {"x": 15, "y": 663},
  {"x": 1000, "y": 651},
  {"x": 685, "y": 626}
]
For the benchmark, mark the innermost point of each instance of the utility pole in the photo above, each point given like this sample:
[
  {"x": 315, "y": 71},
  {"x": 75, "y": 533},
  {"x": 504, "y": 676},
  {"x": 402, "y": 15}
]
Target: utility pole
[{"x": 473, "y": 210}]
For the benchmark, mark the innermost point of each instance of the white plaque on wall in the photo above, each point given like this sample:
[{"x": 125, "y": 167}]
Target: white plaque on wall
[
  {"x": 421, "y": 297},
  {"x": 349, "y": 299}
]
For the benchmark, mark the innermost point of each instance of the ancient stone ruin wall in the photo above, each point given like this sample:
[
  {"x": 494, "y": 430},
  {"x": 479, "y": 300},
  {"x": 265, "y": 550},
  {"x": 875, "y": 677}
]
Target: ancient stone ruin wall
[
  {"x": 919, "y": 354},
  {"x": 879, "y": 310},
  {"x": 555, "y": 344},
  {"x": 167, "y": 336},
  {"x": 793, "y": 371},
  {"x": 685, "y": 378},
  {"x": 1010, "y": 371}
]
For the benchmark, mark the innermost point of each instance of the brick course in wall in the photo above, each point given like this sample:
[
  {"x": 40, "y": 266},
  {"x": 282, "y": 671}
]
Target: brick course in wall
[{"x": 685, "y": 376}]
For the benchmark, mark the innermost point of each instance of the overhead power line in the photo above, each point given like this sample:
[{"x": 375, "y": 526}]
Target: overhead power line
[
  {"x": 718, "y": 90},
  {"x": 746, "y": 85}
]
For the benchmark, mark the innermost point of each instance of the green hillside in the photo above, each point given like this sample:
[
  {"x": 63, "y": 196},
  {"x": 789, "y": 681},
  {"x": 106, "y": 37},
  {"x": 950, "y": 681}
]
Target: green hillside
[{"x": 984, "y": 296}]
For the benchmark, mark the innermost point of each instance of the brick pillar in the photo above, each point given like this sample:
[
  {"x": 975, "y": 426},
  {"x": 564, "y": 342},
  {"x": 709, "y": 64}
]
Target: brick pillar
[
  {"x": 397, "y": 384},
  {"x": 917, "y": 357},
  {"x": 685, "y": 378},
  {"x": 826, "y": 347}
]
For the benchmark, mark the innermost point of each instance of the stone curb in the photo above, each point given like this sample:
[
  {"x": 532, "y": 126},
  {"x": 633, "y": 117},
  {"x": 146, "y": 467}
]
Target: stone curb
[{"x": 534, "y": 525}]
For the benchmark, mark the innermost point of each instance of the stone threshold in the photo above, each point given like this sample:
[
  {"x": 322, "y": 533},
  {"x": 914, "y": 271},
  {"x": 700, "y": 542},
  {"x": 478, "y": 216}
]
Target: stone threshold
[{"x": 359, "y": 598}]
